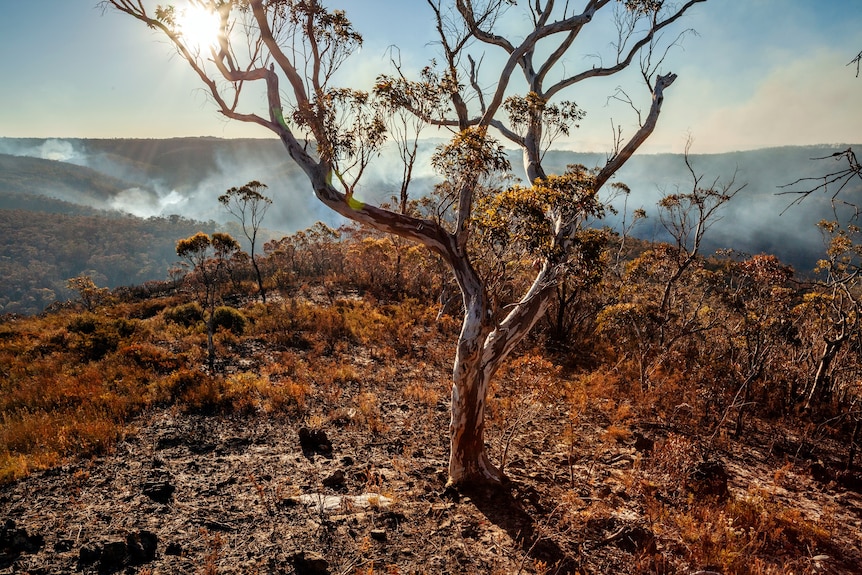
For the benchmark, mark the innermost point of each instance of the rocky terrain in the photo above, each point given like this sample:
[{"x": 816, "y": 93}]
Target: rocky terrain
[{"x": 186, "y": 493}]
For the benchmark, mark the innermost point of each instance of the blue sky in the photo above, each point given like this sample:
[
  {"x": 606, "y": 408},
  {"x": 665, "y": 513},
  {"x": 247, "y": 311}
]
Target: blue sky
[{"x": 758, "y": 73}]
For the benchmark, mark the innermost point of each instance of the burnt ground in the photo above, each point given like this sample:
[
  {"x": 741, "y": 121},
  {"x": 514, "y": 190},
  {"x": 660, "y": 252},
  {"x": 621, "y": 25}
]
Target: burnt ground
[{"x": 328, "y": 492}]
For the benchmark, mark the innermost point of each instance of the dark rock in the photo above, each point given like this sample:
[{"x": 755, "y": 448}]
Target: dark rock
[
  {"x": 821, "y": 473},
  {"x": 851, "y": 480},
  {"x": 635, "y": 539},
  {"x": 202, "y": 447},
  {"x": 378, "y": 534},
  {"x": 159, "y": 491},
  {"x": 14, "y": 541},
  {"x": 335, "y": 480},
  {"x": 314, "y": 441},
  {"x": 89, "y": 554},
  {"x": 113, "y": 556},
  {"x": 708, "y": 479},
  {"x": 643, "y": 443},
  {"x": 174, "y": 548},
  {"x": 141, "y": 546},
  {"x": 391, "y": 519},
  {"x": 309, "y": 563},
  {"x": 168, "y": 440}
]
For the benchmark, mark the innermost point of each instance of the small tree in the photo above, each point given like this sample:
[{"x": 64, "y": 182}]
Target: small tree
[
  {"x": 208, "y": 258},
  {"x": 248, "y": 205},
  {"x": 293, "y": 50},
  {"x": 835, "y": 305},
  {"x": 661, "y": 302},
  {"x": 90, "y": 294}
]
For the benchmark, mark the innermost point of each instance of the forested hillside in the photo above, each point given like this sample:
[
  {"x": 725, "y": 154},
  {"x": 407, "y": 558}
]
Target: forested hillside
[
  {"x": 174, "y": 183},
  {"x": 184, "y": 176},
  {"x": 42, "y": 250}
]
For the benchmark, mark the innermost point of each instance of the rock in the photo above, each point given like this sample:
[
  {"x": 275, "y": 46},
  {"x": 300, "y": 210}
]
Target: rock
[
  {"x": 174, "y": 548},
  {"x": 89, "y": 554},
  {"x": 851, "y": 480},
  {"x": 378, "y": 534},
  {"x": 643, "y": 443},
  {"x": 168, "y": 440},
  {"x": 309, "y": 563},
  {"x": 314, "y": 441},
  {"x": 113, "y": 556},
  {"x": 708, "y": 479},
  {"x": 159, "y": 491},
  {"x": 141, "y": 547},
  {"x": 821, "y": 473},
  {"x": 328, "y": 503},
  {"x": 334, "y": 480},
  {"x": 14, "y": 541}
]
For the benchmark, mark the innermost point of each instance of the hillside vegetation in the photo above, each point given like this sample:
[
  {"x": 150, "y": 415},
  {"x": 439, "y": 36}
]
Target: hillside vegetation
[
  {"x": 183, "y": 176},
  {"x": 672, "y": 415},
  {"x": 43, "y": 249}
]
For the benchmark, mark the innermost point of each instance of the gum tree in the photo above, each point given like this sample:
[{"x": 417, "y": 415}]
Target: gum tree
[
  {"x": 248, "y": 205},
  {"x": 484, "y": 85},
  {"x": 208, "y": 258}
]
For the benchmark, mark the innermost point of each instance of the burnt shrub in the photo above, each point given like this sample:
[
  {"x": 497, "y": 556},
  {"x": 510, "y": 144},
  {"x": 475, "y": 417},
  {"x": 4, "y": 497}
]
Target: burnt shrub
[
  {"x": 186, "y": 315},
  {"x": 93, "y": 338},
  {"x": 230, "y": 319},
  {"x": 152, "y": 358}
]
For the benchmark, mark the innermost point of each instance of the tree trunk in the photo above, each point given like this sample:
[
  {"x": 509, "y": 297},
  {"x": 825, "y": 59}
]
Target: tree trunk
[
  {"x": 482, "y": 347},
  {"x": 468, "y": 459},
  {"x": 821, "y": 377},
  {"x": 210, "y": 343},
  {"x": 854, "y": 442},
  {"x": 471, "y": 373},
  {"x": 259, "y": 278}
]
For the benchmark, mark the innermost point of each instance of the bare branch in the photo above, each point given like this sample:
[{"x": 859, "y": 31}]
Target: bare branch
[
  {"x": 616, "y": 162},
  {"x": 837, "y": 181},
  {"x": 858, "y": 61}
]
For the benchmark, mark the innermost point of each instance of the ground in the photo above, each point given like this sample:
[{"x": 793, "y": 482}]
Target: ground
[{"x": 355, "y": 483}]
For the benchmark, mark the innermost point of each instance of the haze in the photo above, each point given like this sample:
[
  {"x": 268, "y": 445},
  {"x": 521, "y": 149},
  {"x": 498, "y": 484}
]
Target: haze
[{"x": 758, "y": 73}]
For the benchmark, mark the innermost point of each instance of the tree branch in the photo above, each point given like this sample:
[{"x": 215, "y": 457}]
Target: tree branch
[{"x": 620, "y": 158}]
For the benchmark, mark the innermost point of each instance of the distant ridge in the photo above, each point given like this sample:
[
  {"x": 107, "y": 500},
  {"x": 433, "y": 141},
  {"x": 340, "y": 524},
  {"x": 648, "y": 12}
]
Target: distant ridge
[{"x": 185, "y": 176}]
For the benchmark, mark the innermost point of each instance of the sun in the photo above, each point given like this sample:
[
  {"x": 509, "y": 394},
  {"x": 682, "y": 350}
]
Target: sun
[{"x": 198, "y": 26}]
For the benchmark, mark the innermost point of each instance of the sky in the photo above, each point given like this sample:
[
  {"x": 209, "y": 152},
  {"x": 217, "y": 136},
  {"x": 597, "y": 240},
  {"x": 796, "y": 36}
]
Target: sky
[{"x": 757, "y": 73}]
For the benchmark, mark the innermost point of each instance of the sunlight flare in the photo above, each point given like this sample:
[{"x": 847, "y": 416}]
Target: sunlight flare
[{"x": 199, "y": 26}]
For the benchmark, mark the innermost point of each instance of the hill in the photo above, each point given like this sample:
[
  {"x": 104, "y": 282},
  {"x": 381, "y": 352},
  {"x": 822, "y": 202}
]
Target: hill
[
  {"x": 59, "y": 180},
  {"x": 179, "y": 180},
  {"x": 318, "y": 443},
  {"x": 43, "y": 249},
  {"x": 184, "y": 176}
]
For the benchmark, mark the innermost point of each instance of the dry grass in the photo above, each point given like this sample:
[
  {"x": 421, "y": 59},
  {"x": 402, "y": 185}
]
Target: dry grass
[{"x": 72, "y": 383}]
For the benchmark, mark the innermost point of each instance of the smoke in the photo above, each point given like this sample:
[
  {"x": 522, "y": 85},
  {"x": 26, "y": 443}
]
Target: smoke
[{"x": 186, "y": 176}]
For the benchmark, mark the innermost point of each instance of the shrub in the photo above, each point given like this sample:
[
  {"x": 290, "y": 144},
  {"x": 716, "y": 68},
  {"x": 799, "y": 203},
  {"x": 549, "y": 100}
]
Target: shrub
[
  {"x": 84, "y": 324},
  {"x": 250, "y": 393},
  {"x": 229, "y": 318},
  {"x": 95, "y": 338},
  {"x": 187, "y": 314},
  {"x": 151, "y": 357},
  {"x": 195, "y": 390}
]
